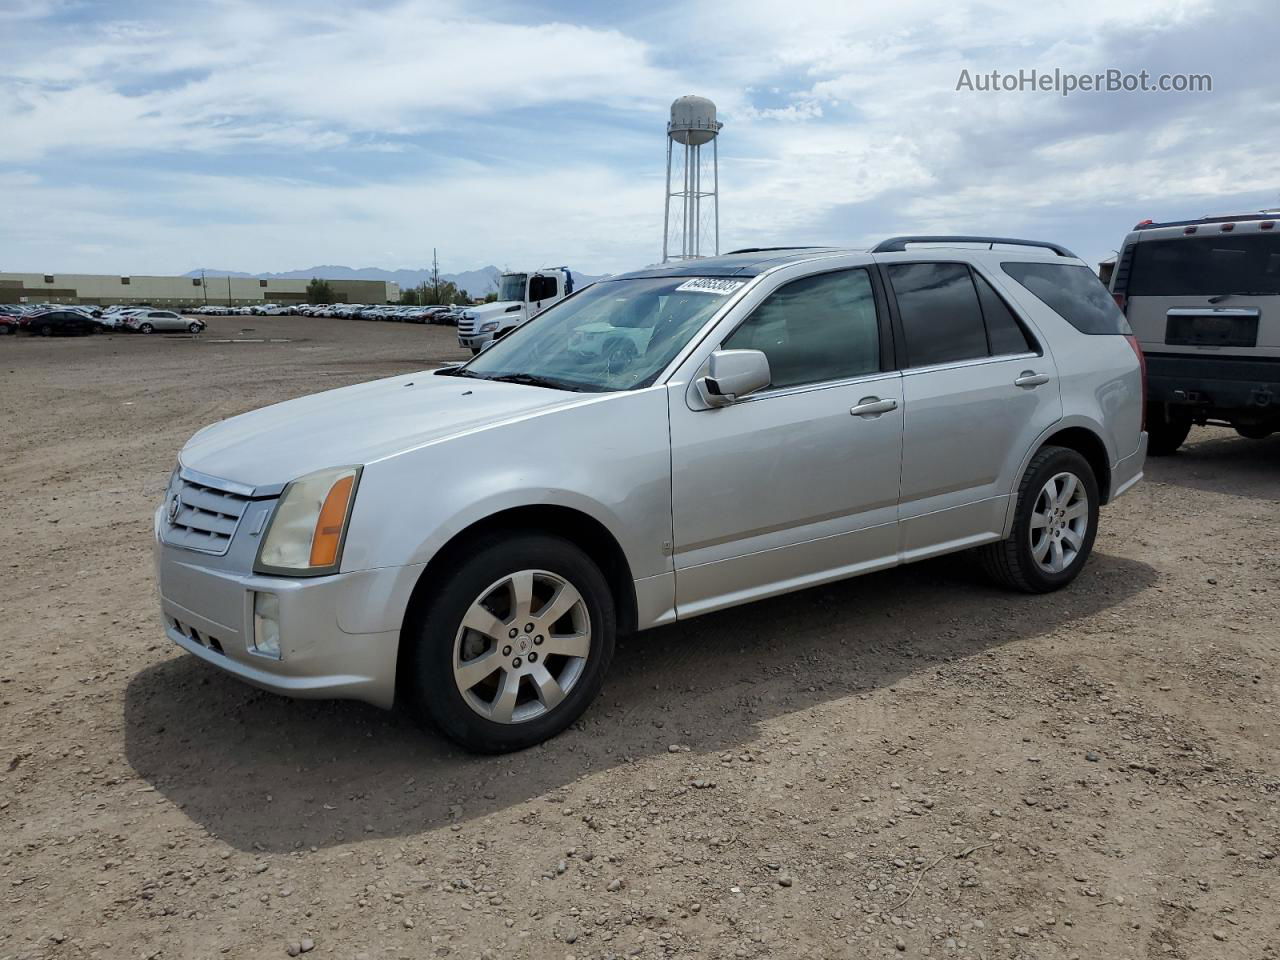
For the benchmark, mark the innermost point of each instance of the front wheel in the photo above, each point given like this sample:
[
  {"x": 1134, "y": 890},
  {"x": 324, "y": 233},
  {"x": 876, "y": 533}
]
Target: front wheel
[
  {"x": 1054, "y": 525},
  {"x": 195, "y": 327},
  {"x": 146, "y": 328},
  {"x": 514, "y": 645},
  {"x": 1167, "y": 429},
  {"x": 1254, "y": 431},
  {"x": 46, "y": 330}
]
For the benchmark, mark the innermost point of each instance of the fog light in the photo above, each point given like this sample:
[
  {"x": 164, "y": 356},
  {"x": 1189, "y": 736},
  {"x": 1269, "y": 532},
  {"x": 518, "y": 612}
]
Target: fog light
[{"x": 266, "y": 625}]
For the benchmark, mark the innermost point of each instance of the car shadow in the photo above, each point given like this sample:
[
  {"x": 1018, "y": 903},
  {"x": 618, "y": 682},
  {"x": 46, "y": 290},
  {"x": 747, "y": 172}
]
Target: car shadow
[
  {"x": 1216, "y": 460},
  {"x": 264, "y": 772}
]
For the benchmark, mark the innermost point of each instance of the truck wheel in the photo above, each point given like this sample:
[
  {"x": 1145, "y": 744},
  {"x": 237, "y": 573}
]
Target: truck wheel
[
  {"x": 1167, "y": 429},
  {"x": 1054, "y": 525},
  {"x": 514, "y": 644}
]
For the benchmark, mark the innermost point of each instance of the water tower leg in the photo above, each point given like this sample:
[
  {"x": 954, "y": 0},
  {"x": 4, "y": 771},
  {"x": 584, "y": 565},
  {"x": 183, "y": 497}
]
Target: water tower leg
[
  {"x": 715, "y": 187},
  {"x": 666, "y": 206}
]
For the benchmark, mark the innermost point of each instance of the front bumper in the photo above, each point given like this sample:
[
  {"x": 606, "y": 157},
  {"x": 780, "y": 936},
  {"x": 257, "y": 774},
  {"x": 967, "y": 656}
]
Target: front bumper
[
  {"x": 476, "y": 341},
  {"x": 207, "y": 610}
]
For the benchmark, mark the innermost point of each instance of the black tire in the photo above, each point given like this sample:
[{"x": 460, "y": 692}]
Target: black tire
[
  {"x": 1011, "y": 562},
  {"x": 146, "y": 328},
  {"x": 1255, "y": 431},
  {"x": 195, "y": 327},
  {"x": 46, "y": 330},
  {"x": 1167, "y": 429},
  {"x": 429, "y": 683}
]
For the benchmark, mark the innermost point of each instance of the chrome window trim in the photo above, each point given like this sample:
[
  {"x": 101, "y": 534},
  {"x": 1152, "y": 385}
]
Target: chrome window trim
[
  {"x": 974, "y": 362},
  {"x": 800, "y": 388}
]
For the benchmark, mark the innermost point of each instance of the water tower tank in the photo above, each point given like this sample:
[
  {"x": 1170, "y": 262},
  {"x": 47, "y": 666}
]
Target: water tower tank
[{"x": 693, "y": 121}]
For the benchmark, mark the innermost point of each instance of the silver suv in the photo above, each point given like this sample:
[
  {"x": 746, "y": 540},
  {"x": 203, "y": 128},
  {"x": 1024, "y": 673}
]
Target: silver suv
[
  {"x": 471, "y": 540},
  {"x": 1203, "y": 297}
]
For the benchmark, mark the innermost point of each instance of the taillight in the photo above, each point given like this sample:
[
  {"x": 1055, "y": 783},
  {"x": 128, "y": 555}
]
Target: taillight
[{"x": 1142, "y": 366}]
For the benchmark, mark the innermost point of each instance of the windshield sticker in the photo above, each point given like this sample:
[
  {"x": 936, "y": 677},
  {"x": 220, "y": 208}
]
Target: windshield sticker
[{"x": 721, "y": 288}]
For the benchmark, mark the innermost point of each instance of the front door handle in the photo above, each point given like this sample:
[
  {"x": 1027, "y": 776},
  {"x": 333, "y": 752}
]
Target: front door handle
[
  {"x": 1029, "y": 378},
  {"x": 873, "y": 407}
]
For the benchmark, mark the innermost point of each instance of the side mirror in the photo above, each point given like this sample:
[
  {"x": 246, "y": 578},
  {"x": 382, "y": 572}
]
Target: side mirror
[{"x": 733, "y": 375}]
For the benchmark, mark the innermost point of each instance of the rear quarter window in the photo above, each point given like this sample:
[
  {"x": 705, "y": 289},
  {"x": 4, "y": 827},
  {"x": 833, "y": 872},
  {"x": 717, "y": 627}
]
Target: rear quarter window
[{"x": 1074, "y": 293}]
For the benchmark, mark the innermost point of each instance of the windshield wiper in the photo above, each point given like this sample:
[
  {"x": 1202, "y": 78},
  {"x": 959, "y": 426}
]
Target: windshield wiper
[{"x": 533, "y": 380}]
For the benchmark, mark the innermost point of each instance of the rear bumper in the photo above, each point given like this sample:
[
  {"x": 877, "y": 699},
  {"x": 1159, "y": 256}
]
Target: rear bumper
[
  {"x": 1215, "y": 382},
  {"x": 1129, "y": 470}
]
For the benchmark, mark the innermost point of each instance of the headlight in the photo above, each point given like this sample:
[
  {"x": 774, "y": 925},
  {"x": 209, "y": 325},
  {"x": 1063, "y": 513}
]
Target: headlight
[
  {"x": 489, "y": 327},
  {"x": 309, "y": 524}
]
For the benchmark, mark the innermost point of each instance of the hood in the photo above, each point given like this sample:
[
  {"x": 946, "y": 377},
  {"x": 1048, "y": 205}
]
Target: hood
[
  {"x": 357, "y": 425},
  {"x": 495, "y": 310}
]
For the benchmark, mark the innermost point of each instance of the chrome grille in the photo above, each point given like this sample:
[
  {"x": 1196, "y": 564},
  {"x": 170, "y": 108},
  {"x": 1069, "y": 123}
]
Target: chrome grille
[
  {"x": 204, "y": 518},
  {"x": 467, "y": 328}
]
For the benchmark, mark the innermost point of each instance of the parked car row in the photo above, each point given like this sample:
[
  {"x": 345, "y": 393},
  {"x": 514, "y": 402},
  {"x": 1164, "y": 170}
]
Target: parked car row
[
  {"x": 52, "y": 319},
  {"x": 404, "y": 313}
]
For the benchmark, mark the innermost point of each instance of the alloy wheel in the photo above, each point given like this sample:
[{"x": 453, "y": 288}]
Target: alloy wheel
[
  {"x": 1059, "y": 522},
  {"x": 522, "y": 646}
]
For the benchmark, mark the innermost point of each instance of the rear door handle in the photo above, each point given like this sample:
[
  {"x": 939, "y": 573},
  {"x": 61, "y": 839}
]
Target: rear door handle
[
  {"x": 873, "y": 407},
  {"x": 1029, "y": 378}
]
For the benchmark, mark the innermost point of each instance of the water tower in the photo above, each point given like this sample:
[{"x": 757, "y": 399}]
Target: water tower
[{"x": 693, "y": 124}]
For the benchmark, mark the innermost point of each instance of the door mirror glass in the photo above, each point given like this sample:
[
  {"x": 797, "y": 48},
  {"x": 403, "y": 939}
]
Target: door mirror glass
[{"x": 733, "y": 375}]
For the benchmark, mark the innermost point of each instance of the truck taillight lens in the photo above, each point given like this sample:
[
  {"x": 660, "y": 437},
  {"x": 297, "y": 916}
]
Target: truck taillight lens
[{"x": 1142, "y": 366}]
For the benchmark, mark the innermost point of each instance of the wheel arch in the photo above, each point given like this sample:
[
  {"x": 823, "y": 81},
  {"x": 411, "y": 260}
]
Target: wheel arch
[
  {"x": 1084, "y": 437},
  {"x": 584, "y": 531}
]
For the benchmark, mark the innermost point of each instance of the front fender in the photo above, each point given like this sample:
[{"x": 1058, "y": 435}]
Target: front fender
[{"x": 607, "y": 457}]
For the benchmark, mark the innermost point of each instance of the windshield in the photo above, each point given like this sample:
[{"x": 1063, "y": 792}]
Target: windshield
[
  {"x": 511, "y": 286},
  {"x": 614, "y": 335}
]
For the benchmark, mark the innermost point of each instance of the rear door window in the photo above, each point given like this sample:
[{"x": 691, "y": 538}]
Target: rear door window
[
  {"x": 1073, "y": 292},
  {"x": 1206, "y": 266},
  {"x": 941, "y": 317}
]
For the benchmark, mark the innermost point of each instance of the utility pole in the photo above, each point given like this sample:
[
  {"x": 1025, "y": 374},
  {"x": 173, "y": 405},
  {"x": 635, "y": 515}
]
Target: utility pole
[
  {"x": 204, "y": 287},
  {"x": 228, "y": 289},
  {"x": 435, "y": 274}
]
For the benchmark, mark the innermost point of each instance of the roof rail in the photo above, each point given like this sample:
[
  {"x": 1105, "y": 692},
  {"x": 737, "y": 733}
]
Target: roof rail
[
  {"x": 1229, "y": 218},
  {"x": 899, "y": 244},
  {"x": 771, "y": 249}
]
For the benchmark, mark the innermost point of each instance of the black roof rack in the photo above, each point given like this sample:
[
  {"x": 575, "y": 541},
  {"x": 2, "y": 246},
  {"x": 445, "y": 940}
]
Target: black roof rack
[
  {"x": 899, "y": 244},
  {"x": 771, "y": 249},
  {"x": 1242, "y": 217}
]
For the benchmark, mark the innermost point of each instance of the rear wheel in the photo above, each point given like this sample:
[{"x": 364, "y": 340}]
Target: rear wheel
[
  {"x": 1054, "y": 525},
  {"x": 514, "y": 645},
  {"x": 46, "y": 330},
  {"x": 1167, "y": 429}
]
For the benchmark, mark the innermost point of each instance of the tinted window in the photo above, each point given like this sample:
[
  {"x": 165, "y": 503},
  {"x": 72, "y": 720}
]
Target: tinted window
[
  {"x": 1004, "y": 333},
  {"x": 542, "y": 288},
  {"x": 1073, "y": 293},
  {"x": 940, "y": 313},
  {"x": 815, "y": 329},
  {"x": 1205, "y": 266}
]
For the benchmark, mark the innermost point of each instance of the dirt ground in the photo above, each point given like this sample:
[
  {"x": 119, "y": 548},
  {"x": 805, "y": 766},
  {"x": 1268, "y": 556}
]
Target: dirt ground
[{"x": 908, "y": 764}]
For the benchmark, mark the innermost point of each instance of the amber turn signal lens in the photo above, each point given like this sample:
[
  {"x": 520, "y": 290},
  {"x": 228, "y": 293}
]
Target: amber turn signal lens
[{"x": 333, "y": 516}]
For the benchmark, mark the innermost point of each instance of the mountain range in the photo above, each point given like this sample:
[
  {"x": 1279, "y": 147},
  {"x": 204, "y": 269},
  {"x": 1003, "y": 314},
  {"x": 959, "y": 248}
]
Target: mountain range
[{"x": 475, "y": 282}]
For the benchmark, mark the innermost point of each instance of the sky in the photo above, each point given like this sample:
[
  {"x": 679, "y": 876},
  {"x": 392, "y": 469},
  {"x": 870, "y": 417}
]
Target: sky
[{"x": 141, "y": 137}]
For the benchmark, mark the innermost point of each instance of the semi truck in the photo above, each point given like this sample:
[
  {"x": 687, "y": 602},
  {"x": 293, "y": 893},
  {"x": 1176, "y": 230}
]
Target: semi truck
[{"x": 521, "y": 296}]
